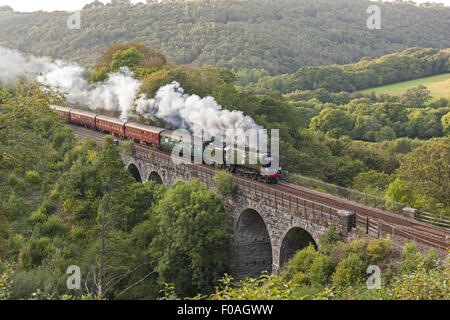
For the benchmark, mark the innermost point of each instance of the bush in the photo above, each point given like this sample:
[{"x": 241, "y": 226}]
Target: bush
[
  {"x": 266, "y": 287},
  {"x": 77, "y": 233},
  {"x": 378, "y": 250},
  {"x": 224, "y": 183},
  {"x": 16, "y": 182},
  {"x": 52, "y": 227},
  {"x": 38, "y": 217},
  {"x": 127, "y": 148},
  {"x": 349, "y": 272},
  {"x": 301, "y": 262},
  {"x": 32, "y": 255},
  {"x": 332, "y": 236},
  {"x": 321, "y": 270},
  {"x": 411, "y": 258},
  {"x": 423, "y": 285},
  {"x": 32, "y": 177}
]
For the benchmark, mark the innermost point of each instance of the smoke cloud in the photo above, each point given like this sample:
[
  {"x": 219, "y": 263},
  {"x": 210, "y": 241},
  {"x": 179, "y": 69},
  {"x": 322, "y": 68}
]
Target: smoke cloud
[
  {"x": 119, "y": 93},
  {"x": 181, "y": 110}
]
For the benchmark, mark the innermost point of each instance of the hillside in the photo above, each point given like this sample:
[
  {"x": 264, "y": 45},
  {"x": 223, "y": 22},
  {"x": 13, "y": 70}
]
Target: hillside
[
  {"x": 279, "y": 36},
  {"x": 412, "y": 63},
  {"x": 439, "y": 86}
]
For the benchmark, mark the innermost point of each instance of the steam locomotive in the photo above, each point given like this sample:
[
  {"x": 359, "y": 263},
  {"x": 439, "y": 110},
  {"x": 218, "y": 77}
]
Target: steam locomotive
[{"x": 165, "y": 140}]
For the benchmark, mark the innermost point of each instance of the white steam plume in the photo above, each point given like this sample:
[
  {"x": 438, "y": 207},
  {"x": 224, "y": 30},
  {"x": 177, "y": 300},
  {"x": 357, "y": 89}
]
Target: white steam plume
[
  {"x": 181, "y": 110},
  {"x": 119, "y": 92}
]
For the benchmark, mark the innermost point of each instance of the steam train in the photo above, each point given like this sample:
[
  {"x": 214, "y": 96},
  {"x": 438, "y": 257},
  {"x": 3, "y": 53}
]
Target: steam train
[{"x": 165, "y": 140}]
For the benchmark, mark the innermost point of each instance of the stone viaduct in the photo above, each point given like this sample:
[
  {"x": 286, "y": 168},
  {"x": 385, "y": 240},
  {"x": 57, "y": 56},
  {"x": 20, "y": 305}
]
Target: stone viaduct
[{"x": 269, "y": 225}]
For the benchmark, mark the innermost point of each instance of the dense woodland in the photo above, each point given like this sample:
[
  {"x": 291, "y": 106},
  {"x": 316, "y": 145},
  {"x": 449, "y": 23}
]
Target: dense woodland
[
  {"x": 342, "y": 138},
  {"x": 59, "y": 196},
  {"x": 412, "y": 63},
  {"x": 279, "y": 36}
]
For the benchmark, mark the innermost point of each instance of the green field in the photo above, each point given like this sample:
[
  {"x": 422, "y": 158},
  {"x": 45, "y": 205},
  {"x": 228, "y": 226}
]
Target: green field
[{"x": 438, "y": 85}]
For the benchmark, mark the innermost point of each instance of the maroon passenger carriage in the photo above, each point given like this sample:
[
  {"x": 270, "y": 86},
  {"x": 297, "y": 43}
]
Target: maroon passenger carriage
[
  {"x": 63, "y": 112},
  {"x": 142, "y": 133},
  {"x": 111, "y": 125},
  {"x": 85, "y": 118}
]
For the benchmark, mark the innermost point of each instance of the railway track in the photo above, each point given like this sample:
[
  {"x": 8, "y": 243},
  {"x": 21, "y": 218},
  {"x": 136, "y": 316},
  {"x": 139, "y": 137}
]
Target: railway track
[{"x": 389, "y": 222}]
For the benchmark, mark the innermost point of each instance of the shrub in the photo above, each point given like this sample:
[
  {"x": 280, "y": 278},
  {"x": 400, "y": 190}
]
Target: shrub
[
  {"x": 52, "y": 227},
  {"x": 300, "y": 263},
  {"x": 411, "y": 258},
  {"x": 357, "y": 247},
  {"x": 423, "y": 285},
  {"x": 38, "y": 217},
  {"x": 32, "y": 177},
  {"x": 349, "y": 272},
  {"x": 332, "y": 236},
  {"x": 5, "y": 283},
  {"x": 127, "y": 148},
  {"x": 32, "y": 255},
  {"x": 321, "y": 270},
  {"x": 77, "y": 233},
  {"x": 379, "y": 250},
  {"x": 224, "y": 183}
]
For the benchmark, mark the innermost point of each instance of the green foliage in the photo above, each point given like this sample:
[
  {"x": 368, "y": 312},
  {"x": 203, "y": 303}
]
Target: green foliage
[
  {"x": 378, "y": 250},
  {"x": 331, "y": 237},
  {"x": 334, "y": 122},
  {"x": 99, "y": 75},
  {"x": 5, "y": 283},
  {"x": 411, "y": 258},
  {"x": 410, "y": 64},
  {"x": 35, "y": 252},
  {"x": 192, "y": 244},
  {"x": 346, "y": 171},
  {"x": 224, "y": 183},
  {"x": 266, "y": 287},
  {"x": 426, "y": 171},
  {"x": 127, "y": 148},
  {"x": 420, "y": 283},
  {"x": 130, "y": 58},
  {"x": 247, "y": 34},
  {"x": 416, "y": 97},
  {"x": 32, "y": 177},
  {"x": 372, "y": 181},
  {"x": 52, "y": 227},
  {"x": 399, "y": 191},
  {"x": 350, "y": 271},
  {"x": 446, "y": 124}
]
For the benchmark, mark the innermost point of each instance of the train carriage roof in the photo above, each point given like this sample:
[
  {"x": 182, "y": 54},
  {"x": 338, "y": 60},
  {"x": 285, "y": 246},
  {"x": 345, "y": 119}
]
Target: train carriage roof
[
  {"x": 83, "y": 112},
  {"x": 111, "y": 119},
  {"x": 60, "y": 108},
  {"x": 170, "y": 134},
  {"x": 144, "y": 127}
]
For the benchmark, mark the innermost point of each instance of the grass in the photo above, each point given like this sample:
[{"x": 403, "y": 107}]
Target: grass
[{"x": 438, "y": 85}]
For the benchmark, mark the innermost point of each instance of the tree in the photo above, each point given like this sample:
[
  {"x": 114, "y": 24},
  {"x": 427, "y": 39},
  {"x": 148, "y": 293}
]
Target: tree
[
  {"x": 445, "y": 120},
  {"x": 335, "y": 122},
  {"x": 350, "y": 271},
  {"x": 115, "y": 180},
  {"x": 416, "y": 97},
  {"x": 194, "y": 233},
  {"x": 427, "y": 170},
  {"x": 130, "y": 58},
  {"x": 224, "y": 183},
  {"x": 372, "y": 182},
  {"x": 94, "y": 4}
]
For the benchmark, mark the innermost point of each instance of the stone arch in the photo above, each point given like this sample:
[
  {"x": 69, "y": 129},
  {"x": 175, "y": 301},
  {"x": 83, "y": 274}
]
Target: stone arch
[
  {"x": 154, "y": 176},
  {"x": 253, "y": 248},
  {"x": 133, "y": 169},
  {"x": 295, "y": 239}
]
